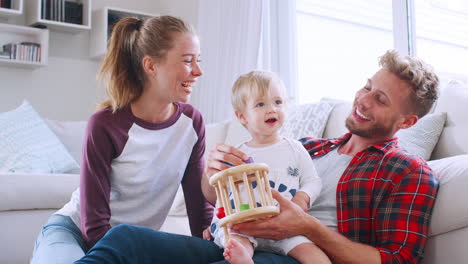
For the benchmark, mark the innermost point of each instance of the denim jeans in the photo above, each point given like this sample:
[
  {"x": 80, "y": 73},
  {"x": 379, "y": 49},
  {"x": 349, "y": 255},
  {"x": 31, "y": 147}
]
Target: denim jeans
[
  {"x": 134, "y": 244},
  {"x": 59, "y": 241}
]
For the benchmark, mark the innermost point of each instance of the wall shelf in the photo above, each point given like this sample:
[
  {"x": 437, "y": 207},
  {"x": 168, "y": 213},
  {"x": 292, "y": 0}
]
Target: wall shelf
[
  {"x": 17, "y": 34},
  {"x": 102, "y": 22},
  {"x": 15, "y": 10},
  {"x": 33, "y": 17}
]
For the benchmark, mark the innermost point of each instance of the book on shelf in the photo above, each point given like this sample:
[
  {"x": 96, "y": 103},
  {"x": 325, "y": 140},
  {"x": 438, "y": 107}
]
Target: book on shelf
[
  {"x": 73, "y": 12},
  {"x": 62, "y": 11},
  {"x": 24, "y": 51},
  {"x": 5, "y": 4},
  {"x": 4, "y": 55}
]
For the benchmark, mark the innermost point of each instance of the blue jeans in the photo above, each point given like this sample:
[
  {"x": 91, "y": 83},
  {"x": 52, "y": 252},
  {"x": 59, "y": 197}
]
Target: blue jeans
[
  {"x": 134, "y": 244},
  {"x": 60, "y": 241}
]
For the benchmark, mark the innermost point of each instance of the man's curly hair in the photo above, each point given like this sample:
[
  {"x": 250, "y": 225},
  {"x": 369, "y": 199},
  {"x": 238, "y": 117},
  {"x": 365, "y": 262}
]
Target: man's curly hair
[{"x": 419, "y": 75}]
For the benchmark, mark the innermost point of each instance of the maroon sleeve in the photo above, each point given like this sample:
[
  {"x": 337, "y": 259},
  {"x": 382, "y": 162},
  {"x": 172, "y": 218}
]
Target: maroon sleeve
[
  {"x": 199, "y": 211},
  {"x": 99, "y": 149}
]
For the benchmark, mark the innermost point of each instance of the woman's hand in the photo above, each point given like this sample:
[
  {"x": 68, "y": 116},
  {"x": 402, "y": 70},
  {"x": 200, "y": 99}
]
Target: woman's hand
[
  {"x": 291, "y": 221},
  {"x": 217, "y": 159},
  {"x": 226, "y": 153}
]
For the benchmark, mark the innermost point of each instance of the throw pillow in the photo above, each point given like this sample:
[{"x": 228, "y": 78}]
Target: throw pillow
[
  {"x": 28, "y": 145},
  {"x": 421, "y": 138},
  {"x": 307, "y": 120}
]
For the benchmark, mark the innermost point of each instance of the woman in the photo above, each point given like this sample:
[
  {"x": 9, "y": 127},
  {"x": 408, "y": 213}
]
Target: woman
[{"x": 140, "y": 146}]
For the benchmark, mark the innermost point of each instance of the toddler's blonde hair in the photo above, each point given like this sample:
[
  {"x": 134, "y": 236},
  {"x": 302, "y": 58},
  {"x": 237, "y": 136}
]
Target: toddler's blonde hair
[{"x": 253, "y": 84}]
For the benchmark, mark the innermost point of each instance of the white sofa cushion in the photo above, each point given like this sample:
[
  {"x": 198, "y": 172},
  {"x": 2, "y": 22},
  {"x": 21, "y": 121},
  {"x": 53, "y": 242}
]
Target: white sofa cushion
[
  {"x": 450, "y": 210},
  {"x": 25, "y": 191},
  {"x": 336, "y": 121},
  {"x": 28, "y": 145},
  {"x": 452, "y": 141},
  {"x": 71, "y": 134},
  {"x": 215, "y": 134}
]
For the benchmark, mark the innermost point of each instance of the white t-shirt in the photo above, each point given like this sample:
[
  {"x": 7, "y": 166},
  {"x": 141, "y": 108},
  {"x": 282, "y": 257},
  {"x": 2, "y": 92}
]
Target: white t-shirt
[
  {"x": 291, "y": 168},
  {"x": 330, "y": 167}
]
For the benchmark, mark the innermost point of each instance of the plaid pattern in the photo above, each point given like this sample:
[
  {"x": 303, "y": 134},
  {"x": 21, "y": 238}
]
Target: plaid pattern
[{"x": 384, "y": 198}]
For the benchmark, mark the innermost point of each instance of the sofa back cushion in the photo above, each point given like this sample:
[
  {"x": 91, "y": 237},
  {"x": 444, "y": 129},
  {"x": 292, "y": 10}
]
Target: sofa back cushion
[
  {"x": 452, "y": 141},
  {"x": 71, "y": 134},
  {"x": 336, "y": 122}
]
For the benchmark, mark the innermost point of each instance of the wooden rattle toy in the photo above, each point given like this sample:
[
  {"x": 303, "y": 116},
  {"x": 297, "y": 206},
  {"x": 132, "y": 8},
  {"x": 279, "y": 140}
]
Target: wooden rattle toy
[{"x": 238, "y": 182}]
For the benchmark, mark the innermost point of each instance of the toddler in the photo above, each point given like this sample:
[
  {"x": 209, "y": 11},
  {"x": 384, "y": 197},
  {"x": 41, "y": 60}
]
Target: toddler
[{"x": 258, "y": 99}]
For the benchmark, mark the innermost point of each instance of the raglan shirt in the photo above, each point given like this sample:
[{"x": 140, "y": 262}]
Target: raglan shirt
[{"x": 131, "y": 170}]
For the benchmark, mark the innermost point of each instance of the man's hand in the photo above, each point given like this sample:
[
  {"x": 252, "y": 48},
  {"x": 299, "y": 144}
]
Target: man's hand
[{"x": 291, "y": 221}]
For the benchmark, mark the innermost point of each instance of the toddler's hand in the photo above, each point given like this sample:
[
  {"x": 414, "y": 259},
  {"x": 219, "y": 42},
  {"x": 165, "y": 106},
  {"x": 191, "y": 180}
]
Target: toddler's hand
[{"x": 207, "y": 234}]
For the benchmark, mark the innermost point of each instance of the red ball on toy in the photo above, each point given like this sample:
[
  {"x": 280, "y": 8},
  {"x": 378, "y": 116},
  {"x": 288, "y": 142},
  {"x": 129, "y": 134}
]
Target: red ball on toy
[{"x": 220, "y": 213}]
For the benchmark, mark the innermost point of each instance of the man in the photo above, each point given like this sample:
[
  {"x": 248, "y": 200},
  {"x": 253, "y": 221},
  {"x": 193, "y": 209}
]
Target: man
[
  {"x": 376, "y": 201},
  {"x": 384, "y": 196}
]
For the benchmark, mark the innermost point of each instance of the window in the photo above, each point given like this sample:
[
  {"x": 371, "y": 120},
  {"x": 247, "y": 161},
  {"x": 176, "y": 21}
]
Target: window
[
  {"x": 441, "y": 29},
  {"x": 339, "y": 43}
]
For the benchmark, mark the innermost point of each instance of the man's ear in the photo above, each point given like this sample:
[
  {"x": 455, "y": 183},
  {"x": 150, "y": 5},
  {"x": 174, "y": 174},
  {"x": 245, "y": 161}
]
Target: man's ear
[
  {"x": 149, "y": 65},
  {"x": 408, "y": 121},
  {"x": 240, "y": 116}
]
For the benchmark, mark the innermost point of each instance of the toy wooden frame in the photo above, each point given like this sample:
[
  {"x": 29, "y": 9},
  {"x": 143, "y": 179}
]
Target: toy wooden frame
[{"x": 230, "y": 179}]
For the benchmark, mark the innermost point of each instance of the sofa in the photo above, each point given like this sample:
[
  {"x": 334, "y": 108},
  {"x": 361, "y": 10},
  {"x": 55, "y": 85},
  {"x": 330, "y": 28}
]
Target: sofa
[{"x": 28, "y": 199}]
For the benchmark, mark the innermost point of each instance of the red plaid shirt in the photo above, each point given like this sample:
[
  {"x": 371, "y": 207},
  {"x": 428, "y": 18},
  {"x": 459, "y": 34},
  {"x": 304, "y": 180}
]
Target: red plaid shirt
[{"x": 384, "y": 198}]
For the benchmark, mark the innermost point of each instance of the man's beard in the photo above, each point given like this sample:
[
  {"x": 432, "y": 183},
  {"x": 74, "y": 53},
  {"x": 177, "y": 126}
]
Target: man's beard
[{"x": 376, "y": 131}]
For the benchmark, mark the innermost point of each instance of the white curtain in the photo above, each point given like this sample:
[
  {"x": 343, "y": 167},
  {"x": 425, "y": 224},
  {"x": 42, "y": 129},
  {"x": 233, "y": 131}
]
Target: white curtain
[
  {"x": 278, "y": 43},
  {"x": 236, "y": 37},
  {"x": 230, "y": 37}
]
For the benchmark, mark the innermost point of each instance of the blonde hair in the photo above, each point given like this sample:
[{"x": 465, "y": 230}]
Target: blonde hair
[
  {"x": 253, "y": 84},
  {"x": 419, "y": 75},
  {"x": 132, "y": 39}
]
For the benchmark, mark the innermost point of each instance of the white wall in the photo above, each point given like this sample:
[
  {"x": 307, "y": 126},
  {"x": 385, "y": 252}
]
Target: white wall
[{"x": 66, "y": 88}]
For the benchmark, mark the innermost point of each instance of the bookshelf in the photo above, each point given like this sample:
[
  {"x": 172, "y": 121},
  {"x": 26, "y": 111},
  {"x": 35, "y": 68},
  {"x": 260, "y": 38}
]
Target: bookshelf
[
  {"x": 15, "y": 10},
  {"x": 35, "y": 13},
  {"x": 102, "y": 22},
  {"x": 17, "y": 34}
]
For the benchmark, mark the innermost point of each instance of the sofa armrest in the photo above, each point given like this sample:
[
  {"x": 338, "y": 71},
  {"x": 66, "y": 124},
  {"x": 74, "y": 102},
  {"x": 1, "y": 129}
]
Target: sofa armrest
[
  {"x": 450, "y": 209},
  {"x": 23, "y": 191}
]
